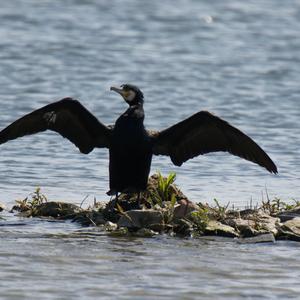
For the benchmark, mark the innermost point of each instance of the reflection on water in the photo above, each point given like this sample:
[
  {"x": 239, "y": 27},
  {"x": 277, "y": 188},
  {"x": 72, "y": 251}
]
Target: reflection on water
[{"x": 239, "y": 60}]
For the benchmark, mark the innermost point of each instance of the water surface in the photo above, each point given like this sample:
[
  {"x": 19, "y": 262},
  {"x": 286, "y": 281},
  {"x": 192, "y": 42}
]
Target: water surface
[{"x": 238, "y": 60}]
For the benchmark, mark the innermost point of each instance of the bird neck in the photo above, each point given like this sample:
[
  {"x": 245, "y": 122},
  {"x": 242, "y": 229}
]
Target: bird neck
[
  {"x": 135, "y": 111},
  {"x": 137, "y": 101}
]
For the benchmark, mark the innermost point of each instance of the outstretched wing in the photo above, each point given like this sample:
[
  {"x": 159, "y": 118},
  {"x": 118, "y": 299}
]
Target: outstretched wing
[
  {"x": 69, "y": 118},
  {"x": 203, "y": 133}
]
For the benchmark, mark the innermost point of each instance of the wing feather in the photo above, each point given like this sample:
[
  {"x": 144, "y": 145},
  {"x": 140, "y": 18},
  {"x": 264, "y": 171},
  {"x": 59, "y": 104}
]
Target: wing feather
[
  {"x": 69, "y": 118},
  {"x": 204, "y": 133}
]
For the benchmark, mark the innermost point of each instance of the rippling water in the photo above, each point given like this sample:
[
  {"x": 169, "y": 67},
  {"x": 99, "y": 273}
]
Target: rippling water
[{"x": 239, "y": 60}]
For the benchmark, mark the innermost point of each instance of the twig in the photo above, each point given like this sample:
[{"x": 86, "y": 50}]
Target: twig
[{"x": 84, "y": 200}]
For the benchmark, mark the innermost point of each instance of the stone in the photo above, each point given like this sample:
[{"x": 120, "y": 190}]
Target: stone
[
  {"x": 56, "y": 209},
  {"x": 2, "y": 207},
  {"x": 87, "y": 218},
  {"x": 217, "y": 228},
  {"x": 145, "y": 232},
  {"x": 184, "y": 207},
  {"x": 245, "y": 227},
  {"x": 262, "y": 238},
  {"x": 292, "y": 225},
  {"x": 120, "y": 232},
  {"x": 110, "y": 226},
  {"x": 141, "y": 218},
  {"x": 183, "y": 227},
  {"x": 253, "y": 223},
  {"x": 290, "y": 230},
  {"x": 289, "y": 214},
  {"x": 247, "y": 212},
  {"x": 268, "y": 223}
]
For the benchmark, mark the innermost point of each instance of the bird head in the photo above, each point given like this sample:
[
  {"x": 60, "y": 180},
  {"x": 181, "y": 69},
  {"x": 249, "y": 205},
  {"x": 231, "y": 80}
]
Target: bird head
[{"x": 130, "y": 93}]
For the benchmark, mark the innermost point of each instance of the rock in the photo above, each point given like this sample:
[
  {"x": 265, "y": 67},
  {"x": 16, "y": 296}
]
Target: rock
[
  {"x": 2, "y": 206},
  {"x": 56, "y": 210},
  {"x": 184, "y": 207},
  {"x": 247, "y": 212},
  {"x": 292, "y": 225},
  {"x": 87, "y": 218},
  {"x": 262, "y": 238},
  {"x": 290, "y": 230},
  {"x": 289, "y": 214},
  {"x": 110, "y": 226},
  {"x": 145, "y": 232},
  {"x": 183, "y": 227},
  {"x": 141, "y": 219},
  {"x": 253, "y": 223},
  {"x": 245, "y": 227},
  {"x": 217, "y": 228},
  {"x": 268, "y": 223},
  {"x": 120, "y": 232}
]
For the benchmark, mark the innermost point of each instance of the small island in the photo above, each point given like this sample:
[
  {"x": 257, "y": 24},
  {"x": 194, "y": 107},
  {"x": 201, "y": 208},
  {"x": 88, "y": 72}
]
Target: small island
[{"x": 164, "y": 209}]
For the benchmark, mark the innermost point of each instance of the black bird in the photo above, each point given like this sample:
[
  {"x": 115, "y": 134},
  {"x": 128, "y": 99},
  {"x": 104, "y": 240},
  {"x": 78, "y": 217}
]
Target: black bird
[{"x": 130, "y": 145}]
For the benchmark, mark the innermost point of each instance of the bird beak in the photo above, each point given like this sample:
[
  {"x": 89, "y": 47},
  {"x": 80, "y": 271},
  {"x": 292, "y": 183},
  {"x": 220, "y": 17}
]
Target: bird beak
[{"x": 119, "y": 91}]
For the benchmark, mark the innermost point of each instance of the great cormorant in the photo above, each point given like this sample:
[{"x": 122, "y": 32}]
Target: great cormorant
[{"x": 130, "y": 145}]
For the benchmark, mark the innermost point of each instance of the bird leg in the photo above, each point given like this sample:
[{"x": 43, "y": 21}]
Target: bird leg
[
  {"x": 117, "y": 198},
  {"x": 139, "y": 199}
]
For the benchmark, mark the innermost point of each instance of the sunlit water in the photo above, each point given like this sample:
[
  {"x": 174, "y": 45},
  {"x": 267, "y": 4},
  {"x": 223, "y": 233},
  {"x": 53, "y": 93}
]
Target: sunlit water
[{"x": 238, "y": 60}]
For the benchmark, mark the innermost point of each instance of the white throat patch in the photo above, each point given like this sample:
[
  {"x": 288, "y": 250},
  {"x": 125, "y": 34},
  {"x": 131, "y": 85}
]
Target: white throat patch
[{"x": 130, "y": 95}]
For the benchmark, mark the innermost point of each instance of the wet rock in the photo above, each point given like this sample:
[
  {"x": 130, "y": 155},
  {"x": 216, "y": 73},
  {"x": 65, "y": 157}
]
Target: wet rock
[
  {"x": 25, "y": 213},
  {"x": 253, "y": 223},
  {"x": 20, "y": 208},
  {"x": 2, "y": 206},
  {"x": 56, "y": 210},
  {"x": 262, "y": 238},
  {"x": 289, "y": 214},
  {"x": 141, "y": 219},
  {"x": 184, "y": 207},
  {"x": 292, "y": 225},
  {"x": 290, "y": 230},
  {"x": 183, "y": 227},
  {"x": 217, "y": 228},
  {"x": 125, "y": 201},
  {"x": 245, "y": 227},
  {"x": 88, "y": 218},
  {"x": 145, "y": 232},
  {"x": 120, "y": 232},
  {"x": 268, "y": 223},
  {"x": 110, "y": 226},
  {"x": 245, "y": 213}
]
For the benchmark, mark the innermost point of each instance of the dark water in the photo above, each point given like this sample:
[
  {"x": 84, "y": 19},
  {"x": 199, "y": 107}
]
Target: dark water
[{"x": 237, "y": 59}]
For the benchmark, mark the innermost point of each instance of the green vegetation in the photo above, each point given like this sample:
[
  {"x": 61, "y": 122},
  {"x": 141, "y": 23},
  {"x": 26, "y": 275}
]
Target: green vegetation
[
  {"x": 32, "y": 201},
  {"x": 200, "y": 219},
  {"x": 164, "y": 192},
  {"x": 277, "y": 205}
]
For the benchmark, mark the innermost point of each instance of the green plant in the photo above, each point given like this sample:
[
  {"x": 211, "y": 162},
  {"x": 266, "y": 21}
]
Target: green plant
[
  {"x": 219, "y": 211},
  {"x": 200, "y": 219},
  {"x": 164, "y": 193},
  {"x": 277, "y": 205},
  {"x": 36, "y": 199}
]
